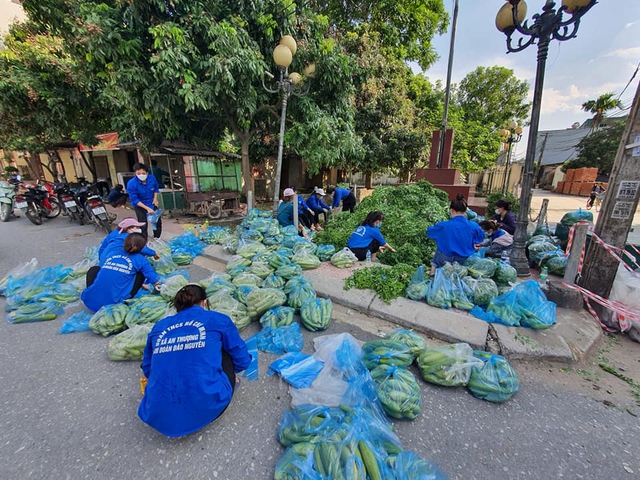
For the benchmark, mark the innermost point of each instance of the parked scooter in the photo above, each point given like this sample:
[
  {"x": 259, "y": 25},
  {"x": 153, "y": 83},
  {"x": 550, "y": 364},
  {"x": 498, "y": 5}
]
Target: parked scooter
[
  {"x": 7, "y": 195},
  {"x": 36, "y": 203},
  {"x": 93, "y": 207},
  {"x": 68, "y": 202}
]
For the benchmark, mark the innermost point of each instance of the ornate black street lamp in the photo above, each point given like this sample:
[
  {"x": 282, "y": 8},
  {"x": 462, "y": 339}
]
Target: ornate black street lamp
[
  {"x": 512, "y": 134},
  {"x": 559, "y": 24},
  {"x": 288, "y": 84}
]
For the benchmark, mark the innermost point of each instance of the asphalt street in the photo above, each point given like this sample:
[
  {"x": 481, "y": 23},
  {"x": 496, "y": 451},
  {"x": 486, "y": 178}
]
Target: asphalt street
[{"x": 67, "y": 412}]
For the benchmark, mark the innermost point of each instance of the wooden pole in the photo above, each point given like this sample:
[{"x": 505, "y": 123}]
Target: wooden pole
[{"x": 543, "y": 212}]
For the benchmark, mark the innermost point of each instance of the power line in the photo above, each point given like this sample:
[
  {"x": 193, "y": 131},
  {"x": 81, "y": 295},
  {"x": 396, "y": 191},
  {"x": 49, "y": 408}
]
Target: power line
[{"x": 630, "y": 80}]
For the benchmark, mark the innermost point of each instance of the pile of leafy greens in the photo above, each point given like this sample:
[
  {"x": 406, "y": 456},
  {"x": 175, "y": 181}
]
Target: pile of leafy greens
[
  {"x": 408, "y": 210},
  {"x": 387, "y": 282}
]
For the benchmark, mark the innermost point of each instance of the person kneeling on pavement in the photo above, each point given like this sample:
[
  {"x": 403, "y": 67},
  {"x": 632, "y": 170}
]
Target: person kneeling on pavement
[
  {"x": 121, "y": 276},
  {"x": 367, "y": 237},
  {"x": 284, "y": 214},
  {"x": 318, "y": 207},
  {"x": 499, "y": 241},
  {"x": 115, "y": 240},
  {"x": 116, "y": 197},
  {"x": 190, "y": 360}
]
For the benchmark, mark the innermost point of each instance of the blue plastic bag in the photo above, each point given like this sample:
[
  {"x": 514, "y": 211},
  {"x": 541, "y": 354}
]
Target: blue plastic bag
[
  {"x": 280, "y": 340},
  {"x": 409, "y": 465},
  {"x": 535, "y": 310},
  {"x": 252, "y": 371},
  {"x": 297, "y": 369},
  {"x": 506, "y": 308},
  {"x": 77, "y": 323},
  {"x": 495, "y": 380},
  {"x": 153, "y": 218}
]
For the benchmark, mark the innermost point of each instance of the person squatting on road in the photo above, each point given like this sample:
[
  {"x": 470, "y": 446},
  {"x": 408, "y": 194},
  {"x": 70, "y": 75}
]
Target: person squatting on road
[
  {"x": 143, "y": 194},
  {"x": 305, "y": 214},
  {"x": 284, "y": 214},
  {"x": 499, "y": 241},
  {"x": 116, "y": 197},
  {"x": 455, "y": 238},
  {"x": 316, "y": 204},
  {"x": 368, "y": 237},
  {"x": 505, "y": 217},
  {"x": 115, "y": 240},
  {"x": 343, "y": 195},
  {"x": 190, "y": 360},
  {"x": 121, "y": 275}
]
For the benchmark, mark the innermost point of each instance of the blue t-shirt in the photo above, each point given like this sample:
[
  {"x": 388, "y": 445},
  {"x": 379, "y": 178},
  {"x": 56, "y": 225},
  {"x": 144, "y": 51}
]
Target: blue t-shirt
[
  {"x": 115, "y": 279},
  {"x": 187, "y": 388},
  {"x": 363, "y": 236},
  {"x": 456, "y": 236},
  {"x": 114, "y": 195},
  {"x": 302, "y": 205},
  {"x": 142, "y": 192},
  {"x": 285, "y": 214},
  {"x": 115, "y": 242},
  {"x": 340, "y": 194},
  {"x": 316, "y": 204}
]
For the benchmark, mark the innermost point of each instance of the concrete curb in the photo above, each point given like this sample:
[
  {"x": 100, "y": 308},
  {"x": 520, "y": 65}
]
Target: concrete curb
[{"x": 571, "y": 339}]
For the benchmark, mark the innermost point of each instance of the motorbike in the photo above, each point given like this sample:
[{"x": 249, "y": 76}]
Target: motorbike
[
  {"x": 36, "y": 203},
  {"x": 7, "y": 195},
  {"x": 68, "y": 202},
  {"x": 93, "y": 207}
]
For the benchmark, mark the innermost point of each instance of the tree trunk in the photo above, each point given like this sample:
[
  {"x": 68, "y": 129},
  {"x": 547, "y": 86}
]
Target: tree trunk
[
  {"x": 90, "y": 164},
  {"x": 35, "y": 166},
  {"x": 368, "y": 180},
  {"x": 246, "y": 164}
]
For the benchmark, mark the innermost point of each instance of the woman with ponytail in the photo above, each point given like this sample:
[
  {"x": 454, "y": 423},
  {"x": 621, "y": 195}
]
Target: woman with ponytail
[
  {"x": 455, "y": 238},
  {"x": 190, "y": 360}
]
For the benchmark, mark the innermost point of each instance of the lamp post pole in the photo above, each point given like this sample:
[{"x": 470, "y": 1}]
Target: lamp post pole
[
  {"x": 550, "y": 24},
  {"x": 287, "y": 84},
  {"x": 513, "y": 135}
]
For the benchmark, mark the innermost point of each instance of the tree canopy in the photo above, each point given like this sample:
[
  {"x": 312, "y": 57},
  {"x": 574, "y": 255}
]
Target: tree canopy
[
  {"x": 599, "y": 149},
  {"x": 600, "y": 106}
]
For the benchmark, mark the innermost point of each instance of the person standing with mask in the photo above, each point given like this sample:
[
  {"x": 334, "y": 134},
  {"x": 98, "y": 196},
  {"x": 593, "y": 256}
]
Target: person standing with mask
[{"x": 143, "y": 192}]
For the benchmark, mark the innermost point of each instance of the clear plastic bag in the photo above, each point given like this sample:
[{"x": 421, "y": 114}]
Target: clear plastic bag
[
  {"x": 261, "y": 269},
  {"x": 289, "y": 271},
  {"x": 386, "y": 352},
  {"x": 129, "y": 345},
  {"x": 461, "y": 294},
  {"x": 449, "y": 365},
  {"x": 409, "y": 465},
  {"x": 495, "y": 380},
  {"x": 259, "y": 300},
  {"x": 109, "y": 319},
  {"x": 237, "y": 261},
  {"x": 305, "y": 246},
  {"x": 418, "y": 291},
  {"x": 147, "y": 309},
  {"x": 277, "y": 259},
  {"x": 17, "y": 273},
  {"x": 80, "y": 269},
  {"x": 223, "y": 302},
  {"x": 484, "y": 289},
  {"x": 161, "y": 247},
  {"x": 480, "y": 267},
  {"x": 306, "y": 259},
  {"x": 455, "y": 267},
  {"x": 241, "y": 293},
  {"x": 248, "y": 248},
  {"x": 345, "y": 258},
  {"x": 274, "y": 281},
  {"x": 247, "y": 279},
  {"x": 505, "y": 274},
  {"x": 277, "y": 317},
  {"x": 298, "y": 369},
  {"x": 61, "y": 294},
  {"x": 165, "y": 265},
  {"x": 300, "y": 295},
  {"x": 153, "y": 218},
  {"x": 171, "y": 286},
  {"x": 325, "y": 252},
  {"x": 316, "y": 314}
]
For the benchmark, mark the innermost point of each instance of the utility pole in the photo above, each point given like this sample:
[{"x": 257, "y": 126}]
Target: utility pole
[{"x": 615, "y": 219}]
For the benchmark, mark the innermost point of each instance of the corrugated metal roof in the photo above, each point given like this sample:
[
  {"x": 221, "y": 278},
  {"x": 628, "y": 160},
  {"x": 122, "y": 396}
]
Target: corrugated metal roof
[{"x": 558, "y": 146}]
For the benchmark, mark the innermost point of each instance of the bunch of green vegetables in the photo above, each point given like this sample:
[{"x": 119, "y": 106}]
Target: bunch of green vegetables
[
  {"x": 408, "y": 211},
  {"x": 387, "y": 282}
]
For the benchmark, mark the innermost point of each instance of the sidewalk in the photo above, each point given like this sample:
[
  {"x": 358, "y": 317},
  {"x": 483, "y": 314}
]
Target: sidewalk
[{"x": 570, "y": 340}]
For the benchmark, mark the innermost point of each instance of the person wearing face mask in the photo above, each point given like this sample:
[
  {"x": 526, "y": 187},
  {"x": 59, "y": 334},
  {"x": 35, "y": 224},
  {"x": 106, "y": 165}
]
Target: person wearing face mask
[
  {"x": 143, "y": 192},
  {"x": 190, "y": 362},
  {"x": 456, "y": 238},
  {"x": 115, "y": 240},
  {"x": 368, "y": 237},
  {"x": 505, "y": 217}
]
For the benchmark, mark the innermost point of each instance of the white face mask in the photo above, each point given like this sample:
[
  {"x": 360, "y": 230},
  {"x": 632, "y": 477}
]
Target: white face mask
[
  {"x": 135, "y": 230},
  {"x": 142, "y": 177},
  {"x": 497, "y": 210}
]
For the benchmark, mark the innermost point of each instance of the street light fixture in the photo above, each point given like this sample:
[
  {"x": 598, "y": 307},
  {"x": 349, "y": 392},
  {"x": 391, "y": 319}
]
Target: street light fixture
[
  {"x": 287, "y": 84},
  {"x": 512, "y": 134},
  {"x": 550, "y": 24}
]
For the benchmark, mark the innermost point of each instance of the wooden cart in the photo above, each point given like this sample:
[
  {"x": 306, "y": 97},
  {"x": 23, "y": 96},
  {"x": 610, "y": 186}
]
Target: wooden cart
[{"x": 212, "y": 204}]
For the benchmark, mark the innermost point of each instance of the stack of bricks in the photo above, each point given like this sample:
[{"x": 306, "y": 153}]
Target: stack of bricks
[{"x": 578, "y": 181}]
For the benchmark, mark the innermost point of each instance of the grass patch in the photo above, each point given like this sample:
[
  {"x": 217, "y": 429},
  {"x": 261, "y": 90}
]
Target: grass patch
[
  {"x": 526, "y": 340},
  {"x": 635, "y": 386}
]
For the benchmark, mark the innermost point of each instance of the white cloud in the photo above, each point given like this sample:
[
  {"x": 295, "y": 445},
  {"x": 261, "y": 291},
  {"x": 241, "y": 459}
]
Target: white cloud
[
  {"x": 631, "y": 52},
  {"x": 629, "y": 25}
]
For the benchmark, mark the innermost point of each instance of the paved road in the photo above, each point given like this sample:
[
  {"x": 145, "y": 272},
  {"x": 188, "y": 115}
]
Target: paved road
[{"x": 67, "y": 412}]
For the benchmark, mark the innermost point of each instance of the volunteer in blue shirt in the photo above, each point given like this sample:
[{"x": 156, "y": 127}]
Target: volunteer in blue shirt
[
  {"x": 158, "y": 173},
  {"x": 305, "y": 215},
  {"x": 143, "y": 194},
  {"x": 120, "y": 277},
  {"x": 190, "y": 361},
  {"x": 368, "y": 237},
  {"x": 116, "y": 197},
  {"x": 455, "y": 238},
  {"x": 505, "y": 217},
  {"x": 115, "y": 240},
  {"x": 316, "y": 204},
  {"x": 343, "y": 195}
]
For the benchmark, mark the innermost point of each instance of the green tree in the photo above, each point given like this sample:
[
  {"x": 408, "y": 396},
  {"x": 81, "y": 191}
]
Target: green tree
[
  {"x": 405, "y": 27},
  {"x": 600, "y": 106},
  {"x": 598, "y": 149},
  {"x": 193, "y": 69}
]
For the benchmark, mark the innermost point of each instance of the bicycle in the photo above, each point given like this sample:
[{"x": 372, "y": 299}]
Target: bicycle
[{"x": 598, "y": 201}]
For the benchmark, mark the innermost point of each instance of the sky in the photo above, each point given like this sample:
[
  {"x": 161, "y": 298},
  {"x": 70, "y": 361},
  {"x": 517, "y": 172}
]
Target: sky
[{"x": 601, "y": 59}]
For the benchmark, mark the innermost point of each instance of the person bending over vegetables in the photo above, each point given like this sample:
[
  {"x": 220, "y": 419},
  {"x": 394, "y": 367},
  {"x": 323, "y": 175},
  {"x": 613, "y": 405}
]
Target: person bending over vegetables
[
  {"x": 316, "y": 204},
  {"x": 455, "y": 238},
  {"x": 115, "y": 240},
  {"x": 284, "y": 215},
  {"x": 121, "y": 275},
  {"x": 499, "y": 241},
  {"x": 190, "y": 360},
  {"x": 368, "y": 237}
]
